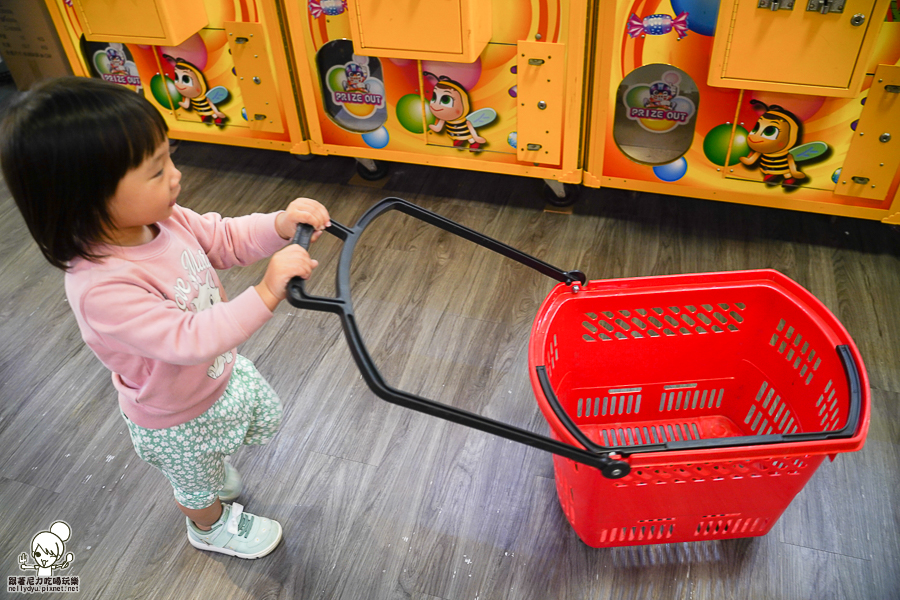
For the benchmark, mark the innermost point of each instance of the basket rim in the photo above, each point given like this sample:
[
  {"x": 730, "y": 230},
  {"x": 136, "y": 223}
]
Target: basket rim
[{"x": 806, "y": 443}]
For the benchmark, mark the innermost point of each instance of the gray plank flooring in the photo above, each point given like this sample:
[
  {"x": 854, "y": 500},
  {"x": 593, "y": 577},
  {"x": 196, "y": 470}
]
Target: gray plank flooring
[{"x": 382, "y": 502}]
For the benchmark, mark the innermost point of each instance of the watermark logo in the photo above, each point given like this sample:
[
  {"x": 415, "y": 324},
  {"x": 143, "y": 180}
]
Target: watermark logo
[{"x": 49, "y": 556}]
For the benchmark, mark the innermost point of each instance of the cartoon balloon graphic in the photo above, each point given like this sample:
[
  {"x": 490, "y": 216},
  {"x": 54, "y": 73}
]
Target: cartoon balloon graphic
[
  {"x": 465, "y": 74},
  {"x": 409, "y": 113},
  {"x": 377, "y": 139},
  {"x": 158, "y": 86},
  {"x": 513, "y": 139},
  {"x": 801, "y": 106},
  {"x": 715, "y": 144},
  {"x": 672, "y": 171},
  {"x": 192, "y": 50},
  {"x": 702, "y": 14}
]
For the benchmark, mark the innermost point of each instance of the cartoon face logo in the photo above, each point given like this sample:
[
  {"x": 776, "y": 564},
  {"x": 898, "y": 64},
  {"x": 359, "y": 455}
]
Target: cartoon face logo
[
  {"x": 116, "y": 61},
  {"x": 47, "y": 549},
  {"x": 775, "y": 131},
  {"x": 356, "y": 77},
  {"x": 661, "y": 94},
  {"x": 447, "y": 102},
  {"x": 188, "y": 81}
]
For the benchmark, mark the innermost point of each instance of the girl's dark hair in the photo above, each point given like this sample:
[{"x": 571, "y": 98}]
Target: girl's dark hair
[{"x": 64, "y": 147}]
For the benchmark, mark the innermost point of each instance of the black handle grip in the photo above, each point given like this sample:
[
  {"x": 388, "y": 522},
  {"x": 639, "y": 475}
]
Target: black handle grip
[
  {"x": 303, "y": 235},
  {"x": 342, "y": 305}
]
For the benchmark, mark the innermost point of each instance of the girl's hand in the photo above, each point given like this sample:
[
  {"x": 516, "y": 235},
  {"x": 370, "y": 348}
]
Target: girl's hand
[
  {"x": 302, "y": 210},
  {"x": 285, "y": 264}
]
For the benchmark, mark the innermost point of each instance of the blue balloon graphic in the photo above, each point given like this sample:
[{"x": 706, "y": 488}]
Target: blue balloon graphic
[
  {"x": 702, "y": 14},
  {"x": 377, "y": 139},
  {"x": 672, "y": 171},
  {"x": 836, "y": 175}
]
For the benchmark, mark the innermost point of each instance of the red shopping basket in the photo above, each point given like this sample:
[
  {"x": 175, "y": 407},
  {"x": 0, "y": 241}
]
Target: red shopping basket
[
  {"x": 681, "y": 408},
  {"x": 722, "y": 391}
]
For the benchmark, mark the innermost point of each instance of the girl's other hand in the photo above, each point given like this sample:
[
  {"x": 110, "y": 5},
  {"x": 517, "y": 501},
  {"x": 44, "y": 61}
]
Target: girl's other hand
[
  {"x": 302, "y": 210},
  {"x": 287, "y": 263}
]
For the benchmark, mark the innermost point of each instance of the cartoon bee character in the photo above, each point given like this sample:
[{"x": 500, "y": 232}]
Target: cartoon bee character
[
  {"x": 773, "y": 142},
  {"x": 450, "y": 105},
  {"x": 356, "y": 78},
  {"x": 191, "y": 84}
]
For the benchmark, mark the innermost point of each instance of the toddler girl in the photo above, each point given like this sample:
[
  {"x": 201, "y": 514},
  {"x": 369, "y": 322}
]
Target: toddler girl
[{"x": 88, "y": 165}]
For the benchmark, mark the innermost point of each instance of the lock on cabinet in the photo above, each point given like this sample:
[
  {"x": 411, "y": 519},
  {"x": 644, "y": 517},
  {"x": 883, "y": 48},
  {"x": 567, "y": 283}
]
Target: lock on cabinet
[
  {"x": 247, "y": 42},
  {"x": 540, "y": 71},
  {"x": 874, "y": 155},
  {"x": 815, "y": 47}
]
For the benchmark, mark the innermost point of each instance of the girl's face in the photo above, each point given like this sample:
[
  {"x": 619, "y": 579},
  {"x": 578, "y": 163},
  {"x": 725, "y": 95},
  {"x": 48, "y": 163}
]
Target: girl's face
[{"x": 143, "y": 197}]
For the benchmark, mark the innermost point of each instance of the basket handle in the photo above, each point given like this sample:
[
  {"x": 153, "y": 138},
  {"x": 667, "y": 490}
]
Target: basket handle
[
  {"x": 342, "y": 305},
  {"x": 853, "y": 412}
]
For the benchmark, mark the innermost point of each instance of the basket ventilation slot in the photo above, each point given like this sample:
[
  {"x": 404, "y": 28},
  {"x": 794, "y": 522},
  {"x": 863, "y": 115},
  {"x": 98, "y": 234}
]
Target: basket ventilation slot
[
  {"x": 650, "y": 434},
  {"x": 727, "y": 525},
  {"x": 796, "y": 350},
  {"x": 639, "y": 323},
  {"x": 676, "y": 397},
  {"x": 829, "y": 411},
  {"x": 710, "y": 473},
  {"x": 620, "y": 404},
  {"x": 769, "y": 413},
  {"x": 649, "y": 530}
]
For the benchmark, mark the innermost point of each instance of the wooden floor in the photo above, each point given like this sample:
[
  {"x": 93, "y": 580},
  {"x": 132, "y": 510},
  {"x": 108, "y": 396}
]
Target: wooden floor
[{"x": 379, "y": 502}]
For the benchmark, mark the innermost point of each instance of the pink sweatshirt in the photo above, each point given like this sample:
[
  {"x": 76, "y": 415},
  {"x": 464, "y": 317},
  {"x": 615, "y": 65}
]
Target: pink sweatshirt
[{"x": 156, "y": 314}]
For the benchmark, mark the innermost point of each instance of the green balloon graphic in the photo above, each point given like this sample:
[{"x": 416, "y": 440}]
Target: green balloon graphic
[
  {"x": 715, "y": 145},
  {"x": 409, "y": 113},
  {"x": 336, "y": 79},
  {"x": 636, "y": 95},
  {"x": 158, "y": 86}
]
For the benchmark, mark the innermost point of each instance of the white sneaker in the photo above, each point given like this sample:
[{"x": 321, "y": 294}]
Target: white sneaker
[{"x": 237, "y": 533}]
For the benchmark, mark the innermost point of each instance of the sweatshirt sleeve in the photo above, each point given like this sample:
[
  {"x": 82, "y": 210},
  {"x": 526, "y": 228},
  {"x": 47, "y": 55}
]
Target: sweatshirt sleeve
[
  {"x": 137, "y": 320},
  {"x": 232, "y": 241}
]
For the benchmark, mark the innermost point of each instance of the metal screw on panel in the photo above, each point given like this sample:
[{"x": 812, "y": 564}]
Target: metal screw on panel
[
  {"x": 256, "y": 80},
  {"x": 576, "y": 289},
  {"x": 615, "y": 473},
  {"x": 885, "y": 137},
  {"x": 542, "y": 105},
  {"x": 537, "y": 36},
  {"x": 857, "y": 19}
]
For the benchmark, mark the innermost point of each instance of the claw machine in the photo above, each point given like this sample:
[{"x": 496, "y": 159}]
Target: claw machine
[
  {"x": 488, "y": 85},
  {"x": 780, "y": 103},
  {"x": 217, "y": 70}
]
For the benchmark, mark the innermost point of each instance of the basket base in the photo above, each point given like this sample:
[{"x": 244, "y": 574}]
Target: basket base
[{"x": 664, "y": 503}]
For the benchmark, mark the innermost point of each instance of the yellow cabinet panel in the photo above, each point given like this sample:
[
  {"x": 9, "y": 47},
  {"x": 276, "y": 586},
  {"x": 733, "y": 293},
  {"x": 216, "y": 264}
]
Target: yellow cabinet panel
[
  {"x": 160, "y": 22},
  {"x": 540, "y": 69},
  {"x": 410, "y": 25},
  {"x": 793, "y": 49},
  {"x": 445, "y": 30},
  {"x": 247, "y": 42},
  {"x": 874, "y": 154}
]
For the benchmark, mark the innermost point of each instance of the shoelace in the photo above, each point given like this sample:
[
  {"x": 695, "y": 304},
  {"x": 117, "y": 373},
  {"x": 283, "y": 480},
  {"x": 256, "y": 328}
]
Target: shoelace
[{"x": 239, "y": 523}]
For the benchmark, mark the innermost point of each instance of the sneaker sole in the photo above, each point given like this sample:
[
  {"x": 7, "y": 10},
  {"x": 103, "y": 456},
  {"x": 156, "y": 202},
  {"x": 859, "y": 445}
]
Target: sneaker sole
[{"x": 229, "y": 552}]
